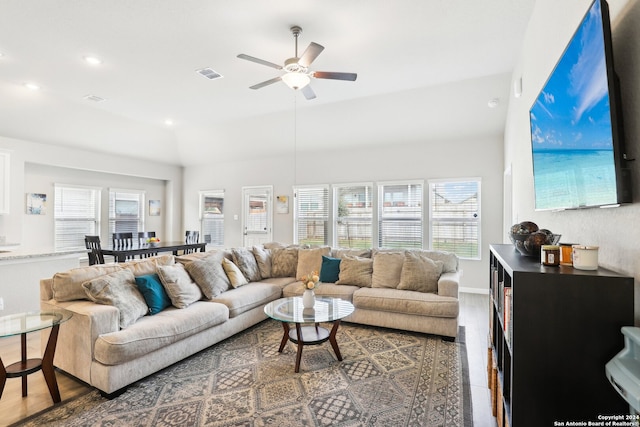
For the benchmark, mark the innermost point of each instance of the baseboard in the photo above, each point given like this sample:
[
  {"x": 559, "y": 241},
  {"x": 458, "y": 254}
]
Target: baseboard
[{"x": 474, "y": 291}]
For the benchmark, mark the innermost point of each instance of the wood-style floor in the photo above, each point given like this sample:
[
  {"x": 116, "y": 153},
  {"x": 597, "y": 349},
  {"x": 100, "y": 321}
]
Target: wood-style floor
[{"x": 474, "y": 309}]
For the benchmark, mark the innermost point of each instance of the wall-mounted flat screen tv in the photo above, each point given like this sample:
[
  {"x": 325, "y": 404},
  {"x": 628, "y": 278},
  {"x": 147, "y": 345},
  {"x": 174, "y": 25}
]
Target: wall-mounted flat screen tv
[{"x": 579, "y": 160}]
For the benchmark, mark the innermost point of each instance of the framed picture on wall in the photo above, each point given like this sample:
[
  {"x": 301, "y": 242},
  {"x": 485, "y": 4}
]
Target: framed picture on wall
[
  {"x": 154, "y": 207},
  {"x": 36, "y": 204},
  {"x": 282, "y": 204}
]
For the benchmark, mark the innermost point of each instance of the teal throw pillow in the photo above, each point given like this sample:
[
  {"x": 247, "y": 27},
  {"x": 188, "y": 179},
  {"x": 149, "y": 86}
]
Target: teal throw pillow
[
  {"x": 153, "y": 292},
  {"x": 330, "y": 269}
]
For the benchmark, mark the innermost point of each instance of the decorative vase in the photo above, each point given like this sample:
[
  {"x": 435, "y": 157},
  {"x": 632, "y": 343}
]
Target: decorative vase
[{"x": 308, "y": 298}]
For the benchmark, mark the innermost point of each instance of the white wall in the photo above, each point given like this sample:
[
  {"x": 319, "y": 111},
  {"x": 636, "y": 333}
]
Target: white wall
[
  {"x": 480, "y": 157},
  {"x": 614, "y": 230}
]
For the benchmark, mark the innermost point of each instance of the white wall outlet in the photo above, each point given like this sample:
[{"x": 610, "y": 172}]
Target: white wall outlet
[{"x": 1, "y": 303}]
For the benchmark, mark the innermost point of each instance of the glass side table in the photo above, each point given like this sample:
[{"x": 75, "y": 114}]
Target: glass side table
[{"x": 21, "y": 324}]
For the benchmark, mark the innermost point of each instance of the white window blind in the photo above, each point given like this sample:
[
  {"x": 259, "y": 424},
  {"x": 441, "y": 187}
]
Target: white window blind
[
  {"x": 454, "y": 217},
  {"x": 353, "y": 215},
  {"x": 400, "y": 214},
  {"x": 76, "y": 214},
  {"x": 212, "y": 217},
  {"x": 311, "y": 215},
  {"x": 126, "y": 211}
]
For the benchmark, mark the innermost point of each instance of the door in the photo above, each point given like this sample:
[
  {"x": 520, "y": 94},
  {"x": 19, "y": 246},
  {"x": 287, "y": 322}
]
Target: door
[{"x": 257, "y": 204}]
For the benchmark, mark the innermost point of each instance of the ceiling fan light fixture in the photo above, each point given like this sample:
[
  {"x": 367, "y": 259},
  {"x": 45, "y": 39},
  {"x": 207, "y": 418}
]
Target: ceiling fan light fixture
[{"x": 296, "y": 80}]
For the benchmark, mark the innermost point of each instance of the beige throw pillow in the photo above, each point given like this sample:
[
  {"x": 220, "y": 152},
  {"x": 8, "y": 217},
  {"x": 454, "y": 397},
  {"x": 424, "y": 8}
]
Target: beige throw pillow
[
  {"x": 420, "y": 273},
  {"x": 263, "y": 259},
  {"x": 284, "y": 262},
  {"x": 234, "y": 274},
  {"x": 67, "y": 285},
  {"x": 118, "y": 289},
  {"x": 387, "y": 267},
  {"x": 355, "y": 271},
  {"x": 182, "y": 290},
  {"x": 209, "y": 275},
  {"x": 246, "y": 262},
  {"x": 310, "y": 260},
  {"x": 149, "y": 265},
  {"x": 341, "y": 253}
]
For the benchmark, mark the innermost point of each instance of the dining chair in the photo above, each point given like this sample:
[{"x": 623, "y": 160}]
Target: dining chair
[
  {"x": 94, "y": 250},
  {"x": 123, "y": 241},
  {"x": 191, "y": 237},
  {"x": 142, "y": 239}
]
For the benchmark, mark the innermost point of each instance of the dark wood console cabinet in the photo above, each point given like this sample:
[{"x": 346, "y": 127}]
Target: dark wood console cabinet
[{"x": 551, "y": 338}]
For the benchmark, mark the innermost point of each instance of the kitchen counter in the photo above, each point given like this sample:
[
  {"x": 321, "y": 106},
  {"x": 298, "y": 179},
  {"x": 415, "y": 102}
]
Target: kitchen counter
[{"x": 21, "y": 254}]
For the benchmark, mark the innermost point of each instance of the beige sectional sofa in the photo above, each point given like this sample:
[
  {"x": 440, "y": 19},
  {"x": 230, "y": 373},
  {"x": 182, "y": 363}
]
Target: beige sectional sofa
[{"x": 112, "y": 340}]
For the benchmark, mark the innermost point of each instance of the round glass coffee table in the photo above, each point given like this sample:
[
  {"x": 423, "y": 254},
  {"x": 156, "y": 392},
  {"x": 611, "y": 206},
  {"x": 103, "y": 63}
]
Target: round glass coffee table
[
  {"x": 326, "y": 309},
  {"x": 21, "y": 324}
]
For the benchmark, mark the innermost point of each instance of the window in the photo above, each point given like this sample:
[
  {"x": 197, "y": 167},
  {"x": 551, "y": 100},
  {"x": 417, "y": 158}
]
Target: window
[
  {"x": 400, "y": 214},
  {"x": 212, "y": 217},
  {"x": 311, "y": 215},
  {"x": 76, "y": 214},
  {"x": 126, "y": 211},
  {"x": 454, "y": 218},
  {"x": 353, "y": 215}
]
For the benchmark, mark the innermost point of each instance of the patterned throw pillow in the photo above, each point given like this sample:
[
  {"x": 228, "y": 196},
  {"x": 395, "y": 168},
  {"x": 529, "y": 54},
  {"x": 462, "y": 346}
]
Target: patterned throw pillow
[
  {"x": 420, "y": 273},
  {"x": 119, "y": 290},
  {"x": 182, "y": 290},
  {"x": 209, "y": 274},
  {"x": 310, "y": 260},
  {"x": 284, "y": 262},
  {"x": 153, "y": 292},
  {"x": 67, "y": 285},
  {"x": 263, "y": 258},
  {"x": 355, "y": 271},
  {"x": 246, "y": 262},
  {"x": 142, "y": 267},
  {"x": 387, "y": 267},
  {"x": 234, "y": 274}
]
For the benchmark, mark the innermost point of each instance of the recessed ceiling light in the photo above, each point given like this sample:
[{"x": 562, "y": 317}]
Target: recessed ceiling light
[
  {"x": 31, "y": 86},
  {"x": 168, "y": 122},
  {"x": 92, "y": 60},
  {"x": 493, "y": 103}
]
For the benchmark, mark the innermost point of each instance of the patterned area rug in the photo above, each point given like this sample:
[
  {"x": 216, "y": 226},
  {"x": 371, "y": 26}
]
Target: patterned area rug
[{"x": 387, "y": 378}]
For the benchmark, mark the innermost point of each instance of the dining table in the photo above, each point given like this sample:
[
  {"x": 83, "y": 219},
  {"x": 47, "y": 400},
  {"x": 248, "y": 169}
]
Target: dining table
[{"x": 122, "y": 253}]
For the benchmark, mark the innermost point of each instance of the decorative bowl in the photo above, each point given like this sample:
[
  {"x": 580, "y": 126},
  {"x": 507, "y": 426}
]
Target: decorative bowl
[{"x": 531, "y": 244}]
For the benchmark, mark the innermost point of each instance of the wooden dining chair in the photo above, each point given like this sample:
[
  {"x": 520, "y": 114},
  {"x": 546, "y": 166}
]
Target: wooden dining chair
[
  {"x": 94, "y": 250},
  {"x": 123, "y": 241},
  {"x": 191, "y": 237},
  {"x": 142, "y": 239}
]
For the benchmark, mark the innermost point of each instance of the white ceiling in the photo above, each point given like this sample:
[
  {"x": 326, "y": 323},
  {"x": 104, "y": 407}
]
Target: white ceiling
[{"x": 426, "y": 70}]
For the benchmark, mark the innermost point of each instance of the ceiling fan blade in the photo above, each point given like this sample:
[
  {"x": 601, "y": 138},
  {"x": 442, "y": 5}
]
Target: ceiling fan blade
[
  {"x": 260, "y": 61},
  {"x": 308, "y": 92},
  {"x": 266, "y": 83},
  {"x": 310, "y": 54},
  {"x": 335, "y": 76}
]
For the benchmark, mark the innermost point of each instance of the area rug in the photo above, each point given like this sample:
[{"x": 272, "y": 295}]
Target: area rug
[{"x": 386, "y": 378}]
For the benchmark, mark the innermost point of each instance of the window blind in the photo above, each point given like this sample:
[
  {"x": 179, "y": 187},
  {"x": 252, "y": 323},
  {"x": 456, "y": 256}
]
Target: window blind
[
  {"x": 126, "y": 211},
  {"x": 353, "y": 216},
  {"x": 212, "y": 217},
  {"x": 311, "y": 216},
  {"x": 455, "y": 217},
  {"x": 400, "y": 215},
  {"x": 76, "y": 214}
]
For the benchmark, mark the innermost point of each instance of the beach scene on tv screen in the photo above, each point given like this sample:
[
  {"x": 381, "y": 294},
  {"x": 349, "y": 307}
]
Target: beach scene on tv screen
[{"x": 571, "y": 134}]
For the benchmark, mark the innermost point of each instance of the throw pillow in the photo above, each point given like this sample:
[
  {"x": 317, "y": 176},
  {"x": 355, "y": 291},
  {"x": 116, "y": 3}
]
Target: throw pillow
[
  {"x": 119, "y": 290},
  {"x": 420, "y": 273},
  {"x": 263, "y": 259},
  {"x": 387, "y": 267},
  {"x": 449, "y": 259},
  {"x": 182, "y": 290},
  {"x": 310, "y": 260},
  {"x": 284, "y": 262},
  {"x": 209, "y": 274},
  {"x": 153, "y": 292},
  {"x": 246, "y": 262},
  {"x": 147, "y": 266},
  {"x": 234, "y": 274},
  {"x": 341, "y": 253},
  {"x": 355, "y": 271},
  {"x": 67, "y": 285},
  {"x": 330, "y": 269}
]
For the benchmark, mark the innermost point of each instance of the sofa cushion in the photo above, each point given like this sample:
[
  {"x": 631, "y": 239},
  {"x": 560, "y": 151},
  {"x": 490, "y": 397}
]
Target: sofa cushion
[
  {"x": 153, "y": 292},
  {"x": 182, "y": 290},
  {"x": 250, "y": 296},
  {"x": 154, "y": 332},
  {"x": 310, "y": 260},
  {"x": 355, "y": 271},
  {"x": 284, "y": 262},
  {"x": 344, "y": 292},
  {"x": 209, "y": 275},
  {"x": 67, "y": 285},
  {"x": 406, "y": 302},
  {"x": 420, "y": 273},
  {"x": 141, "y": 267},
  {"x": 234, "y": 274},
  {"x": 342, "y": 252},
  {"x": 246, "y": 262},
  {"x": 263, "y": 259},
  {"x": 118, "y": 289},
  {"x": 330, "y": 269},
  {"x": 387, "y": 267}
]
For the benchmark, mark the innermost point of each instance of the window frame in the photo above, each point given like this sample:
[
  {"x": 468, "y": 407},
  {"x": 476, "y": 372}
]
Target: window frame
[
  {"x": 380, "y": 206},
  {"x": 217, "y": 219},
  {"x": 335, "y": 217},
  {"x": 325, "y": 219},
  {"x": 113, "y": 218},
  {"x": 57, "y": 218}
]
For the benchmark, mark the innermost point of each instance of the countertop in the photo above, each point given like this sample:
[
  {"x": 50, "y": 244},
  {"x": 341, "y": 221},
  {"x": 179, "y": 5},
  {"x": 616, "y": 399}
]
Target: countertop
[{"x": 19, "y": 254}]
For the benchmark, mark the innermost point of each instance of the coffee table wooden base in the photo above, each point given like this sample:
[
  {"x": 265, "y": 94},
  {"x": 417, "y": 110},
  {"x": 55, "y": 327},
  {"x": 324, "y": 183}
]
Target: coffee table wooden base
[{"x": 309, "y": 335}]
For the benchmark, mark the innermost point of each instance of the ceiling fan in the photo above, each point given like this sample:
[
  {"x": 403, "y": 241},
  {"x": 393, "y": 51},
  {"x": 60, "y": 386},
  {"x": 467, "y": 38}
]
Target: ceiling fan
[{"x": 297, "y": 74}]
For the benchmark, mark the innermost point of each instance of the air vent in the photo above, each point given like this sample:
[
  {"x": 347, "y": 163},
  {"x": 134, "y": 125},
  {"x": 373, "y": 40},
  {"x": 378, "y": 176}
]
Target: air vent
[
  {"x": 209, "y": 73},
  {"x": 94, "y": 98}
]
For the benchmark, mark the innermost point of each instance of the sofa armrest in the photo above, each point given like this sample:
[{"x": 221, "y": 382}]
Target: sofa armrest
[
  {"x": 46, "y": 289},
  {"x": 448, "y": 284}
]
